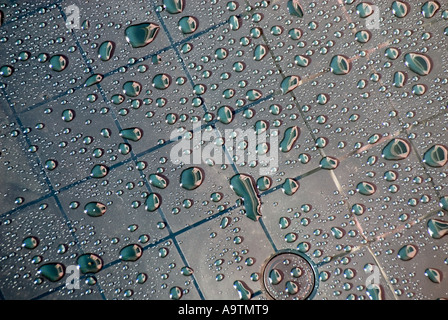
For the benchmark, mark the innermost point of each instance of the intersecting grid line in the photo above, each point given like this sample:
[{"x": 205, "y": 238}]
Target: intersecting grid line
[{"x": 172, "y": 235}]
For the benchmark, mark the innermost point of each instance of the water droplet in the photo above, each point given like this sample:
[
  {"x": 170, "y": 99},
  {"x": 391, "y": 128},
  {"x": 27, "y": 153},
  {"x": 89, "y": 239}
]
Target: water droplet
[
  {"x": 95, "y": 209},
  {"x": 52, "y": 271},
  {"x": 430, "y": 8},
  {"x": 366, "y": 188},
  {"x": 290, "y": 83},
  {"x": 140, "y": 35},
  {"x": 133, "y": 134},
  {"x": 132, "y": 252},
  {"x": 290, "y": 186},
  {"x": 188, "y": 24},
  {"x": 244, "y": 187},
  {"x": 30, "y": 242},
  {"x": 260, "y": 52},
  {"x": 132, "y": 88},
  {"x": 407, "y": 252},
  {"x": 106, "y": 50},
  {"x": 289, "y": 138},
  {"x": 152, "y": 202},
  {"x": 161, "y": 81},
  {"x": 340, "y": 65},
  {"x": 58, "y": 63},
  {"x": 243, "y": 291},
  {"x": 329, "y": 163},
  {"x": 191, "y": 178},
  {"x": 89, "y": 263},
  {"x": 158, "y": 181},
  {"x": 400, "y": 9},
  {"x": 295, "y": 8},
  {"x": 436, "y": 156},
  {"x": 434, "y": 275},
  {"x": 437, "y": 229},
  {"x": 418, "y": 63},
  {"x": 99, "y": 171},
  {"x": 396, "y": 149},
  {"x": 174, "y": 6},
  {"x": 176, "y": 293},
  {"x": 93, "y": 79}
]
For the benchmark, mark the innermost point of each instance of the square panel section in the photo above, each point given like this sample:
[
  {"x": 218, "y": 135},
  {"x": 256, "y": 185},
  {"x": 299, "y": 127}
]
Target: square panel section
[
  {"x": 74, "y": 134},
  {"x": 231, "y": 255},
  {"x": 43, "y": 64},
  {"x": 35, "y": 238}
]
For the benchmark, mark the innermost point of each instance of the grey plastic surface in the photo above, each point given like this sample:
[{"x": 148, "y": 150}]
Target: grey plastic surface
[{"x": 38, "y": 202}]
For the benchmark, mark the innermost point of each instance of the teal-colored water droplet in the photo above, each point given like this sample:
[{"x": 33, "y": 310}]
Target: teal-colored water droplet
[
  {"x": 363, "y": 36},
  {"x": 186, "y": 271},
  {"x": 99, "y": 171},
  {"x": 366, "y": 188},
  {"x": 400, "y": 9},
  {"x": 260, "y": 52},
  {"x": 329, "y": 163},
  {"x": 407, "y": 252},
  {"x": 106, "y": 50},
  {"x": 364, "y": 9},
  {"x": 430, "y": 8},
  {"x": 290, "y": 83},
  {"x": 161, "y": 81},
  {"x": 52, "y": 271},
  {"x": 225, "y": 114},
  {"x": 140, "y": 35},
  {"x": 68, "y": 115},
  {"x": 234, "y": 22},
  {"x": 437, "y": 229},
  {"x": 340, "y": 65},
  {"x": 302, "y": 61},
  {"x": 396, "y": 149},
  {"x": 152, "y": 202},
  {"x": 358, "y": 209},
  {"x": 253, "y": 95},
  {"x": 58, "y": 63},
  {"x": 436, "y": 156},
  {"x": 6, "y": 71},
  {"x": 392, "y": 53},
  {"x": 188, "y": 24},
  {"x": 290, "y": 186},
  {"x": 419, "y": 63},
  {"x": 133, "y": 134},
  {"x": 275, "y": 276},
  {"x": 303, "y": 247},
  {"x": 158, "y": 181},
  {"x": 191, "y": 178},
  {"x": 243, "y": 291},
  {"x": 95, "y": 209},
  {"x": 244, "y": 187},
  {"x": 338, "y": 233},
  {"x": 375, "y": 292},
  {"x": 295, "y": 8},
  {"x": 399, "y": 79},
  {"x": 89, "y": 263},
  {"x": 30, "y": 242},
  {"x": 291, "y": 287},
  {"x": 93, "y": 79},
  {"x": 132, "y": 88},
  {"x": 289, "y": 138},
  {"x": 51, "y": 164},
  {"x": 132, "y": 252},
  {"x": 434, "y": 275},
  {"x": 176, "y": 293},
  {"x": 264, "y": 183},
  {"x": 174, "y": 6}
]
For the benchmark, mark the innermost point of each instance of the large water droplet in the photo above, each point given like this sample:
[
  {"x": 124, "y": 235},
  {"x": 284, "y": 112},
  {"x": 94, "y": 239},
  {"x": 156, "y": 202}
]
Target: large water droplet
[
  {"x": 191, "y": 178},
  {"x": 436, "y": 156},
  {"x": 290, "y": 83},
  {"x": 340, "y": 65},
  {"x": 132, "y": 252},
  {"x": 188, "y": 24},
  {"x": 437, "y": 229},
  {"x": 106, "y": 50},
  {"x": 58, "y": 63},
  {"x": 152, "y": 202},
  {"x": 419, "y": 63},
  {"x": 95, "y": 209},
  {"x": 295, "y": 8},
  {"x": 407, "y": 252},
  {"x": 244, "y": 187},
  {"x": 140, "y": 35},
  {"x": 289, "y": 138},
  {"x": 174, "y": 6},
  {"x": 52, "y": 271},
  {"x": 89, "y": 263},
  {"x": 396, "y": 149}
]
